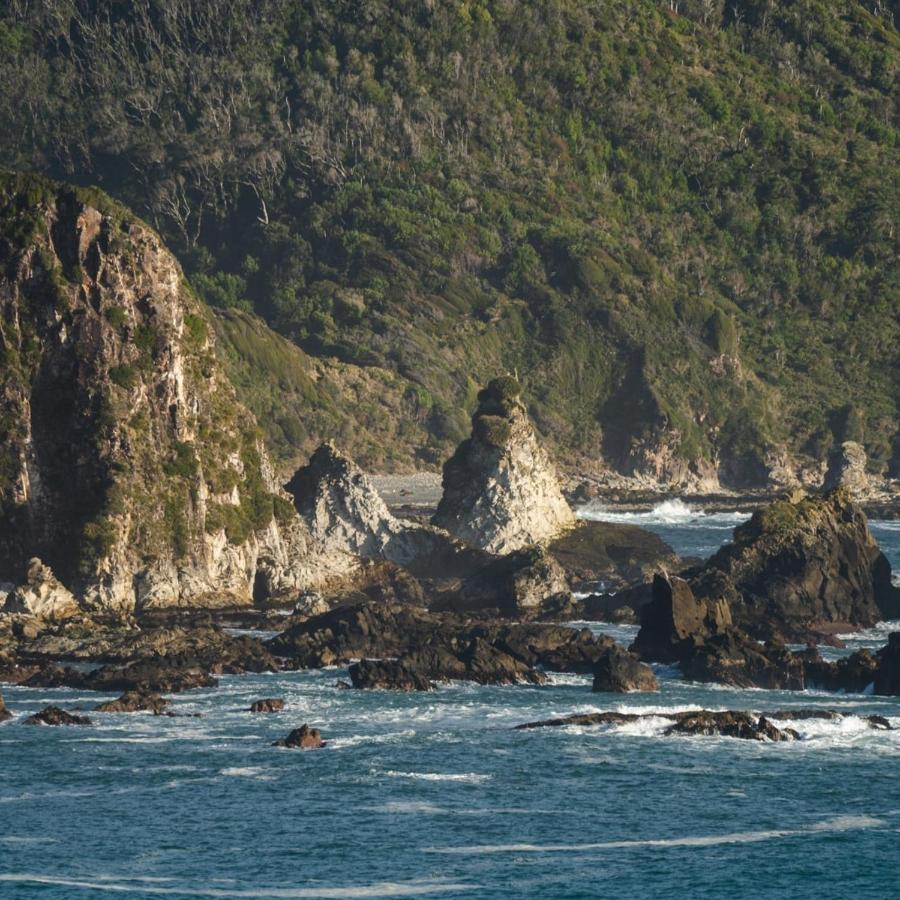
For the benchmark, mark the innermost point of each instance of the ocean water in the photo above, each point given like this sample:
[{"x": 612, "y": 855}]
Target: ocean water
[{"x": 436, "y": 794}]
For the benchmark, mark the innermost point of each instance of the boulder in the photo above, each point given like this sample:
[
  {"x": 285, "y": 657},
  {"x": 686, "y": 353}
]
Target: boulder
[
  {"x": 801, "y": 566},
  {"x": 518, "y": 585},
  {"x": 267, "y": 705},
  {"x": 135, "y": 701},
  {"x": 302, "y": 738},
  {"x": 617, "y": 671},
  {"x": 847, "y": 469},
  {"x": 616, "y": 554},
  {"x": 41, "y": 595},
  {"x": 4, "y": 712},
  {"x": 388, "y": 675},
  {"x": 675, "y": 621},
  {"x": 53, "y": 715},
  {"x": 500, "y": 492}
]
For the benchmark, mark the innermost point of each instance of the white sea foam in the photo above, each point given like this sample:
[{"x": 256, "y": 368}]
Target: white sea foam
[
  {"x": 669, "y": 512},
  {"x": 467, "y": 777},
  {"x": 128, "y": 886},
  {"x": 835, "y": 824},
  {"x": 247, "y": 772}
]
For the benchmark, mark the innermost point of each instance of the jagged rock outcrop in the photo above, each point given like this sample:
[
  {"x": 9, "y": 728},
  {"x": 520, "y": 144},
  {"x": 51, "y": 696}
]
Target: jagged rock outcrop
[
  {"x": 438, "y": 647},
  {"x": 346, "y": 515},
  {"x": 126, "y": 463},
  {"x": 500, "y": 490},
  {"x": 847, "y": 469},
  {"x": 41, "y": 595},
  {"x": 799, "y": 565},
  {"x": 675, "y": 621}
]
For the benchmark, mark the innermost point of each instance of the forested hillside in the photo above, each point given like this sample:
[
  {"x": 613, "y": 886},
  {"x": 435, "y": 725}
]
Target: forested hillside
[{"x": 676, "y": 220}]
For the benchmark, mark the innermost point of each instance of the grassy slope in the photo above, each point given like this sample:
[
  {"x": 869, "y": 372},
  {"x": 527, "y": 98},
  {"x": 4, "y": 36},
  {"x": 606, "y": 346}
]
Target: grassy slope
[{"x": 675, "y": 226}]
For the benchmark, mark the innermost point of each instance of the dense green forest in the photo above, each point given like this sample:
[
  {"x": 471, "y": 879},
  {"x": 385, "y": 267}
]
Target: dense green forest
[{"x": 675, "y": 220}]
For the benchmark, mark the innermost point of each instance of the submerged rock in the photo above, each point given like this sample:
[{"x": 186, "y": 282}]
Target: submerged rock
[
  {"x": 267, "y": 705},
  {"x": 302, "y": 738},
  {"x": 500, "y": 490},
  {"x": 53, "y": 715},
  {"x": 135, "y": 701}
]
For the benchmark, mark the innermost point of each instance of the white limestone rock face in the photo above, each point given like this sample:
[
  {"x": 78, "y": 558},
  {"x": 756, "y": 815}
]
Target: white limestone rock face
[
  {"x": 847, "y": 468},
  {"x": 345, "y": 514},
  {"x": 501, "y": 491},
  {"x": 41, "y": 595}
]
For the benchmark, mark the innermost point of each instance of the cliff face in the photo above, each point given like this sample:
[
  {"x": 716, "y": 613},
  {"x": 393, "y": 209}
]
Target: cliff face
[
  {"x": 126, "y": 463},
  {"x": 500, "y": 490}
]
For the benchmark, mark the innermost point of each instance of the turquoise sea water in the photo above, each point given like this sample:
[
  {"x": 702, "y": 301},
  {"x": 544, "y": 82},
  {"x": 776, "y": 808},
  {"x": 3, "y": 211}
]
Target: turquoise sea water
[{"x": 436, "y": 795}]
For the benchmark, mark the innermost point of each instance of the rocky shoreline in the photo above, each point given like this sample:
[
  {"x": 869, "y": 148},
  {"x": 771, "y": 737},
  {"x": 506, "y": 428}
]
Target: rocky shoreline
[{"x": 483, "y": 593}]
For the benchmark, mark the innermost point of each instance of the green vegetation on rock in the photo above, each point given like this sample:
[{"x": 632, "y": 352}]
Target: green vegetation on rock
[{"x": 607, "y": 198}]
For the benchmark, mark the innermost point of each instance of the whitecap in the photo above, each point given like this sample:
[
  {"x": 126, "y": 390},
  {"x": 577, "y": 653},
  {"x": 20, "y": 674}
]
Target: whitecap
[
  {"x": 247, "y": 772},
  {"x": 835, "y": 824},
  {"x": 127, "y": 886},
  {"x": 468, "y": 777}
]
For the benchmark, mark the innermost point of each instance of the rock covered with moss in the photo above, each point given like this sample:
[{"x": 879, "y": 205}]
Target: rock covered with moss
[
  {"x": 500, "y": 489},
  {"x": 126, "y": 462},
  {"x": 799, "y": 565}
]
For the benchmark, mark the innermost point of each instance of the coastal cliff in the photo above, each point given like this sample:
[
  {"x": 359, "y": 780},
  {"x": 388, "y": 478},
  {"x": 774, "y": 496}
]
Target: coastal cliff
[{"x": 128, "y": 466}]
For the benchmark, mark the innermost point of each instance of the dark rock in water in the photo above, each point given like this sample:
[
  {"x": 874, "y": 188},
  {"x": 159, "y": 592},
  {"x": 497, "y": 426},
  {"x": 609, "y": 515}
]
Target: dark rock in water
[
  {"x": 302, "y": 738},
  {"x": 675, "y": 621},
  {"x": 796, "y": 566},
  {"x": 615, "y": 553},
  {"x": 519, "y": 584},
  {"x": 438, "y": 647},
  {"x": 618, "y": 671},
  {"x": 267, "y": 705},
  {"x": 486, "y": 663},
  {"x": 731, "y": 724},
  {"x": 148, "y": 676},
  {"x": 501, "y": 493},
  {"x": 733, "y": 658},
  {"x": 4, "y": 712},
  {"x": 135, "y": 701},
  {"x": 887, "y": 681},
  {"x": 727, "y": 723},
  {"x": 388, "y": 675},
  {"x": 53, "y": 715}
]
